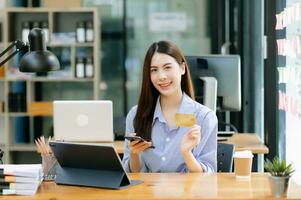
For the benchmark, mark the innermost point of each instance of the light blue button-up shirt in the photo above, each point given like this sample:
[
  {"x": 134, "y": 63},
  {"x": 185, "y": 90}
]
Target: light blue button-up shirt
[{"x": 166, "y": 156}]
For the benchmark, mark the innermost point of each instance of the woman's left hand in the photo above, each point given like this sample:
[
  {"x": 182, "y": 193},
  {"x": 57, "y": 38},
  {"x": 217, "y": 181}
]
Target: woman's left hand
[{"x": 191, "y": 139}]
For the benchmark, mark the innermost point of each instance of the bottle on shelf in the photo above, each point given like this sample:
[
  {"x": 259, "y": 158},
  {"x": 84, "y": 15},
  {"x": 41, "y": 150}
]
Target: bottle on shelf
[
  {"x": 89, "y": 67},
  {"x": 36, "y": 24},
  {"x": 80, "y": 32},
  {"x": 89, "y": 31},
  {"x": 79, "y": 68},
  {"x": 25, "y": 31}
]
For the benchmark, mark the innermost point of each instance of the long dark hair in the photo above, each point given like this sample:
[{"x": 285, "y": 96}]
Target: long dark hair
[{"x": 149, "y": 94}]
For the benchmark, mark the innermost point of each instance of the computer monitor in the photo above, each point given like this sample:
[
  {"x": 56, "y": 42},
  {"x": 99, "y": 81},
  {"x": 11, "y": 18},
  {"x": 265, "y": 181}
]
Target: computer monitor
[{"x": 226, "y": 70}]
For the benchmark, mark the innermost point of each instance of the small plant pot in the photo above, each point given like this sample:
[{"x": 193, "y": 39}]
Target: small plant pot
[{"x": 279, "y": 185}]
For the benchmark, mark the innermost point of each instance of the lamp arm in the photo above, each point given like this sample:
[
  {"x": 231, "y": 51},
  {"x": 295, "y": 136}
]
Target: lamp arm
[
  {"x": 1, "y": 155},
  {"x": 19, "y": 46}
]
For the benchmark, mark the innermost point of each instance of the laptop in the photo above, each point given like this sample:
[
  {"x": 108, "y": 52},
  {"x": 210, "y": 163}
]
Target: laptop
[
  {"x": 83, "y": 121},
  {"x": 92, "y": 165}
]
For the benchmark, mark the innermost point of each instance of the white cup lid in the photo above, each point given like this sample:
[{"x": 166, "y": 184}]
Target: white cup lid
[{"x": 243, "y": 154}]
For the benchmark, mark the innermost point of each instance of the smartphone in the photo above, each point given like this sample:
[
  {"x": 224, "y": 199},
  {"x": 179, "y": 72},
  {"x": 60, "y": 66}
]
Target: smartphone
[{"x": 134, "y": 138}]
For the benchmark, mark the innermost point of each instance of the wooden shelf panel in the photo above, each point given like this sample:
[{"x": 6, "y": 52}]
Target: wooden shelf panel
[
  {"x": 16, "y": 114},
  {"x": 22, "y": 147},
  {"x": 41, "y": 9},
  {"x": 51, "y": 79},
  {"x": 26, "y": 115},
  {"x": 71, "y": 45}
]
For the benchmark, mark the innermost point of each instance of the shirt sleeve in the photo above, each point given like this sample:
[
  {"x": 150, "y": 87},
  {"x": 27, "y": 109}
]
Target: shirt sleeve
[
  {"x": 206, "y": 151},
  {"x": 129, "y": 128}
]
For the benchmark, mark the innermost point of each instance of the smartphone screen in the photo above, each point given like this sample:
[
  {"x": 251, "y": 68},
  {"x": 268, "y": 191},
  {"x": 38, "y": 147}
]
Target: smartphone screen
[{"x": 134, "y": 138}]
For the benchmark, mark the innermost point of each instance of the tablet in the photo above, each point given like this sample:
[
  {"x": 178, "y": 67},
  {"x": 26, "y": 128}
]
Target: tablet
[{"x": 94, "y": 165}]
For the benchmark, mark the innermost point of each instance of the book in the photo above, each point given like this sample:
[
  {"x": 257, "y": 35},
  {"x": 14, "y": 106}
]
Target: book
[
  {"x": 21, "y": 130},
  {"x": 20, "y": 179},
  {"x": 19, "y": 186},
  {"x": 17, "y": 192},
  {"x": 4, "y": 186},
  {"x": 27, "y": 170}
]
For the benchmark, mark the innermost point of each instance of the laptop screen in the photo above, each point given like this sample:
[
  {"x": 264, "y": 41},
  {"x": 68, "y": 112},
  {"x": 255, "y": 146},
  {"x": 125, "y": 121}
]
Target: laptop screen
[{"x": 83, "y": 121}]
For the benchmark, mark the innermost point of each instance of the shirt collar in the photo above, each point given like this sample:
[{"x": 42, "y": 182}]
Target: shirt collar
[
  {"x": 185, "y": 107},
  {"x": 158, "y": 114}
]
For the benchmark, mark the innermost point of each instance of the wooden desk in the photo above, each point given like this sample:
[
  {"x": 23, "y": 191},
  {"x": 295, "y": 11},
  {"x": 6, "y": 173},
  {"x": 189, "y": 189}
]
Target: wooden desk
[
  {"x": 245, "y": 141},
  {"x": 170, "y": 186},
  {"x": 119, "y": 146},
  {"x": 248, "y": 141}
]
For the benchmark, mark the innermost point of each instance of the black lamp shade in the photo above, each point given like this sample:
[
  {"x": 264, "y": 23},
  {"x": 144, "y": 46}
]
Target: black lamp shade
[{"x": 38, "y": 59}]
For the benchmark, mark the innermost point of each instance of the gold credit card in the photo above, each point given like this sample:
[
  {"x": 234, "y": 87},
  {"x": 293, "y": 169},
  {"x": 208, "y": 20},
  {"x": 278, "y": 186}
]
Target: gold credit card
[{"x": 185, "y": 119}]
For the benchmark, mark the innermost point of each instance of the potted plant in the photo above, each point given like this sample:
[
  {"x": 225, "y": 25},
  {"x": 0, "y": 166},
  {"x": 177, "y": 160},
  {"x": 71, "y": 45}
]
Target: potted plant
[{"x": 280, "y": 175}]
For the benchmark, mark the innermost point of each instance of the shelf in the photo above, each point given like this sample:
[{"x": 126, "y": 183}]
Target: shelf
[
  {"x": 89, "y": 44},
  {"x": 22, "y": 147},
  {"x": 56, "y": 85},
  {"x": 41, "y": 9},
  {"x": 51, "y": 79},
  {"x": 25, "y": 10},
  {"x": 24, "y": 115},
  {"x": 17, "y": 114}
]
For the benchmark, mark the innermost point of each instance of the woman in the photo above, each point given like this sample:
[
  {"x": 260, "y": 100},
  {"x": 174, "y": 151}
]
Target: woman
[{"x": 167, "y": 90}]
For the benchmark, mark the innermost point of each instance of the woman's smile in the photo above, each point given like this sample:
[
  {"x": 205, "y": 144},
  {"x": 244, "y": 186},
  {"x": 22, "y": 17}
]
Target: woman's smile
[{"x": 164, "y": 85}]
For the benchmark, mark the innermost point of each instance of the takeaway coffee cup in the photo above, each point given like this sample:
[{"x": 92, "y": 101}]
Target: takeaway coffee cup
[{"x": 243, "y": 164}]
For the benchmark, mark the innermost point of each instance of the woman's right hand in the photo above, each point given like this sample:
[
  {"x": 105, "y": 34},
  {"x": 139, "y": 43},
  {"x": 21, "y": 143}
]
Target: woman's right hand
[{"x": 136, "y": 147}]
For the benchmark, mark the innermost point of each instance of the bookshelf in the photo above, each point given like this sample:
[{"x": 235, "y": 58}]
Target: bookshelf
[{"x": 18, "y": 91}]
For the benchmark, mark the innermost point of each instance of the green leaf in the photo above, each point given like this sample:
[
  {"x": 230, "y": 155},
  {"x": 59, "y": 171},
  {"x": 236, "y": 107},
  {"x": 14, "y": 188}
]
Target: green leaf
[{"x": 278, "y": 167}]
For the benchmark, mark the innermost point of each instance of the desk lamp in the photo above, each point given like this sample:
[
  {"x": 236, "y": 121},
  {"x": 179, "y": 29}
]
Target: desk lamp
[
  {"x": 1, "y": 155},
  {"x": 38, "y": 59}
]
